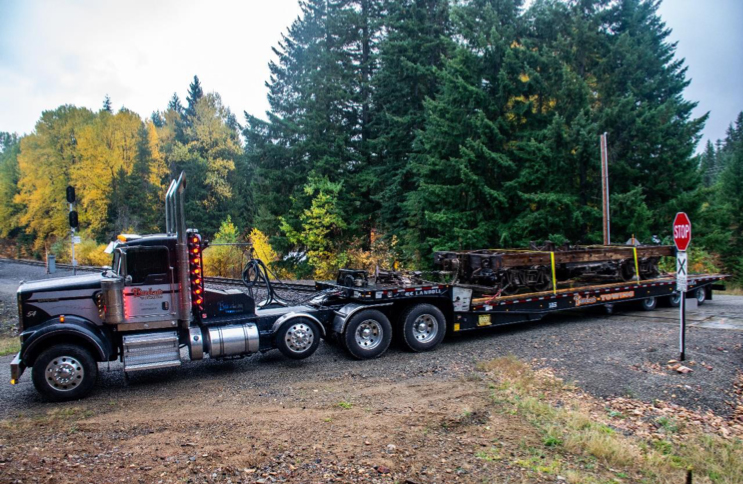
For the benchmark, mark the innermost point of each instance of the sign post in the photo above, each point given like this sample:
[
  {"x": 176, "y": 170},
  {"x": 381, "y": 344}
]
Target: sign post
[
  {"x": 682, "y": 238},
  {"x": 73, "y": 225}
]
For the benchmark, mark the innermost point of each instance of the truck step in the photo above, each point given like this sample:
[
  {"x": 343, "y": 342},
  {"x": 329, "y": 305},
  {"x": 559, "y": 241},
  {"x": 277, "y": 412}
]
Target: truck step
[{"x": 146, "y": 351}]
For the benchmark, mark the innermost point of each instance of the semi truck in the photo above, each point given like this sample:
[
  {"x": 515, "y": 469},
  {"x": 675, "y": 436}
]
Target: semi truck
[
  {"x": 144, "y": 309},
  {"x": 153, "y": 302}
]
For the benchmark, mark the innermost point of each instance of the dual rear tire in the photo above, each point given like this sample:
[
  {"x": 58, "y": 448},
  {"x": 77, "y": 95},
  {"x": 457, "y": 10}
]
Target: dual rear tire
[{"x": 368, "y": 333}]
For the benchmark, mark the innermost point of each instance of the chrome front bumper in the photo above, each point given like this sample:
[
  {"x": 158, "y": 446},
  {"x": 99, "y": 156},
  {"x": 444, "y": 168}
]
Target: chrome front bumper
[{"x": 16, "y": 369}]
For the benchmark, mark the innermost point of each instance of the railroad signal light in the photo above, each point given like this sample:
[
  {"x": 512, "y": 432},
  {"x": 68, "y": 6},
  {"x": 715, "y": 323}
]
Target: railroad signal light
[
  {"x": 73, "y": 219},
  {"x": 71, "y": 194}
]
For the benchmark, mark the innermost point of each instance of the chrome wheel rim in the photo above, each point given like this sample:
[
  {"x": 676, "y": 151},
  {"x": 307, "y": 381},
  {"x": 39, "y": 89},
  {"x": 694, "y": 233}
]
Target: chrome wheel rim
[
  {"x": 299, "y": 337},
  {"x": 425, "y": 328},
  {"x": 649, "y": 302},
  {"x": 64, "y": 373},
  {"x": 701, "y": 295},
  {"x": 369, "y": 334},
  {"x": 675, "y": 298}
]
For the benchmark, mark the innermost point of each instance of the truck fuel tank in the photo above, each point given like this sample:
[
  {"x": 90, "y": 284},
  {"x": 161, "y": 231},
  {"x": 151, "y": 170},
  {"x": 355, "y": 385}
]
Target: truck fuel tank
[{"x": 232, "y": 340}]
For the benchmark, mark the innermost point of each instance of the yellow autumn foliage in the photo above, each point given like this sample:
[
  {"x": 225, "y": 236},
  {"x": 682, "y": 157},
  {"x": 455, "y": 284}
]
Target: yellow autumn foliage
[
  {"x": 90, "y": 253},
  {"x": 106, "y": 146}
]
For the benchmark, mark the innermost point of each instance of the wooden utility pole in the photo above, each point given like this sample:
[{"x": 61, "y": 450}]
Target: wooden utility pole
[{"x": 605, "y": 189}]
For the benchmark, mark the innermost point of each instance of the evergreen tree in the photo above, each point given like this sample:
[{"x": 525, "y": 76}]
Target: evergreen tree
[
  {"x": 315, "y": 127},
  {"x": 157, "y": 119},
  {"x": 707, "y": 165},
  {"x": 462, "y": 166},
  {"x": 652, "y": 135},
  {"x": 415, "y": 45},
  {"x": 175, "y": 104},
  {"x": 9, "y": 175},
  {"x": 107, "y": 104},
  {"x": 195, "y": 93}
]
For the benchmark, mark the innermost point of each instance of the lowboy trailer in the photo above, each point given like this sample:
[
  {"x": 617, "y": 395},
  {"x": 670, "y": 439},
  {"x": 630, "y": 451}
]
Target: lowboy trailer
[{"x": 365, "y": 316}]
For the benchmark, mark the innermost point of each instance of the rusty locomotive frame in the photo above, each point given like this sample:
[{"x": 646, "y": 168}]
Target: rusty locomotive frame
[{"x": 512, "y": 271}]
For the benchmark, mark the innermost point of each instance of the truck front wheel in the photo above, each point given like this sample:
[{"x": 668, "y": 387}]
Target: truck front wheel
[
  {"x": 368, "y": 334},
  {"x": 64, "y": 372},
  {"x": 424, "y": 326}
]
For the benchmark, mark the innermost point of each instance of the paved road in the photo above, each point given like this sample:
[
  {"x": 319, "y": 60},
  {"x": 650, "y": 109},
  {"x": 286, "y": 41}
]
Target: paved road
[{"x": 622, "y": 354}]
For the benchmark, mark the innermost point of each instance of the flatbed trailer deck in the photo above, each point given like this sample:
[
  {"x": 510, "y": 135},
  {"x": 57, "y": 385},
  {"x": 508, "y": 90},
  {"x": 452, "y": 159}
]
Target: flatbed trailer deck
[{"x": 425, "y": 312}]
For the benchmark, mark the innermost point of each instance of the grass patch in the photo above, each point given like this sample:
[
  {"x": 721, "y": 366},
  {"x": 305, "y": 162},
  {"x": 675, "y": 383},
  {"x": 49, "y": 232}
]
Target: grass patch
[
  {"x": 9, "y": 345},
  {"x": 570, "y": 427},
  {"x": 345, "y": 405}
]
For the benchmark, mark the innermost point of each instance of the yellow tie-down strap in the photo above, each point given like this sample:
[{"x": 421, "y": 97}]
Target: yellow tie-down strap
[
  {"x": 554, "y": 279},
  {"x": 637, "y": 266}
]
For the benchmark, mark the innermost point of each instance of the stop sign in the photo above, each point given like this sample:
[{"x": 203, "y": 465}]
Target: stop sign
[{"x": 681, "y": 231}]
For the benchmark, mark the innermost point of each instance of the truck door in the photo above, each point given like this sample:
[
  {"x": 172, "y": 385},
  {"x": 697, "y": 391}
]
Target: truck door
[{"x": 149, "y": 294}]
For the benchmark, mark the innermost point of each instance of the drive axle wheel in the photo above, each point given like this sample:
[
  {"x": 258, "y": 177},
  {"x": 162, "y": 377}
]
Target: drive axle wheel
[
  {"x": 423, "y": 327},
  {"x": 368, "y": 334},
  {"x": 298, "y": 338},
  {"x": 64, "y": 372}
]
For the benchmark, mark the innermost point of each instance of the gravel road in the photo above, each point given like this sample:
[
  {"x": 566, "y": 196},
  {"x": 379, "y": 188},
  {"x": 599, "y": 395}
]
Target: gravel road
[{"x": 620, "y": 355}]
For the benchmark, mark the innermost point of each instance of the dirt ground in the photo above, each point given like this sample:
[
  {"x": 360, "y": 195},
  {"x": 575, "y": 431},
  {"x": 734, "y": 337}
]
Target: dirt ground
[{"x": 408, "y": 418}]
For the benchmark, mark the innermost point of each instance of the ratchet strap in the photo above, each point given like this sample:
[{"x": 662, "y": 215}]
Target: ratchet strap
[
  {"x": 637, "y": 266},
  {"x": 554, "y": 279}
]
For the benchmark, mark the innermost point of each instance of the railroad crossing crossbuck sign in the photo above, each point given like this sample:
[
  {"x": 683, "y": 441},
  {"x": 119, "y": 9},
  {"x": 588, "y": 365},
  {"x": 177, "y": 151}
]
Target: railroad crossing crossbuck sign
[{"x": 681, "y": 271}]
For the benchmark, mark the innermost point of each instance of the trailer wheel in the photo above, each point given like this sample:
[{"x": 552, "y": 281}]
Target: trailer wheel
[
  {"x": 368, "y": 334},
  {"x": 64, "y": 372},
  {"x": 700, "y": 295},
  {"x": 423, "y": 327},
  {"x": 298, "y": 338},
  {"x": 649, "y": 304},
  {"x": 674, "y": 300}
]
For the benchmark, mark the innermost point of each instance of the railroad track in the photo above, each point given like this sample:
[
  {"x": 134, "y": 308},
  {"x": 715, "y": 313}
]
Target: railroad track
[
  {"x": 227, "y": 281},
  {"x": 40, "y": 263}
]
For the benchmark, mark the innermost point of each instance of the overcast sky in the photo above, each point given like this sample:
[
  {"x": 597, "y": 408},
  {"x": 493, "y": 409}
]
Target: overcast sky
[{"x": 140, "y": 52}]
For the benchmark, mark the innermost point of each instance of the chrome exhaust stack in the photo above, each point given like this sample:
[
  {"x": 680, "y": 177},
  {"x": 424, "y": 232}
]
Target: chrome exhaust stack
[
  {"x": 169, "y": 209},
  {"x": 175, "y": 223}
]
